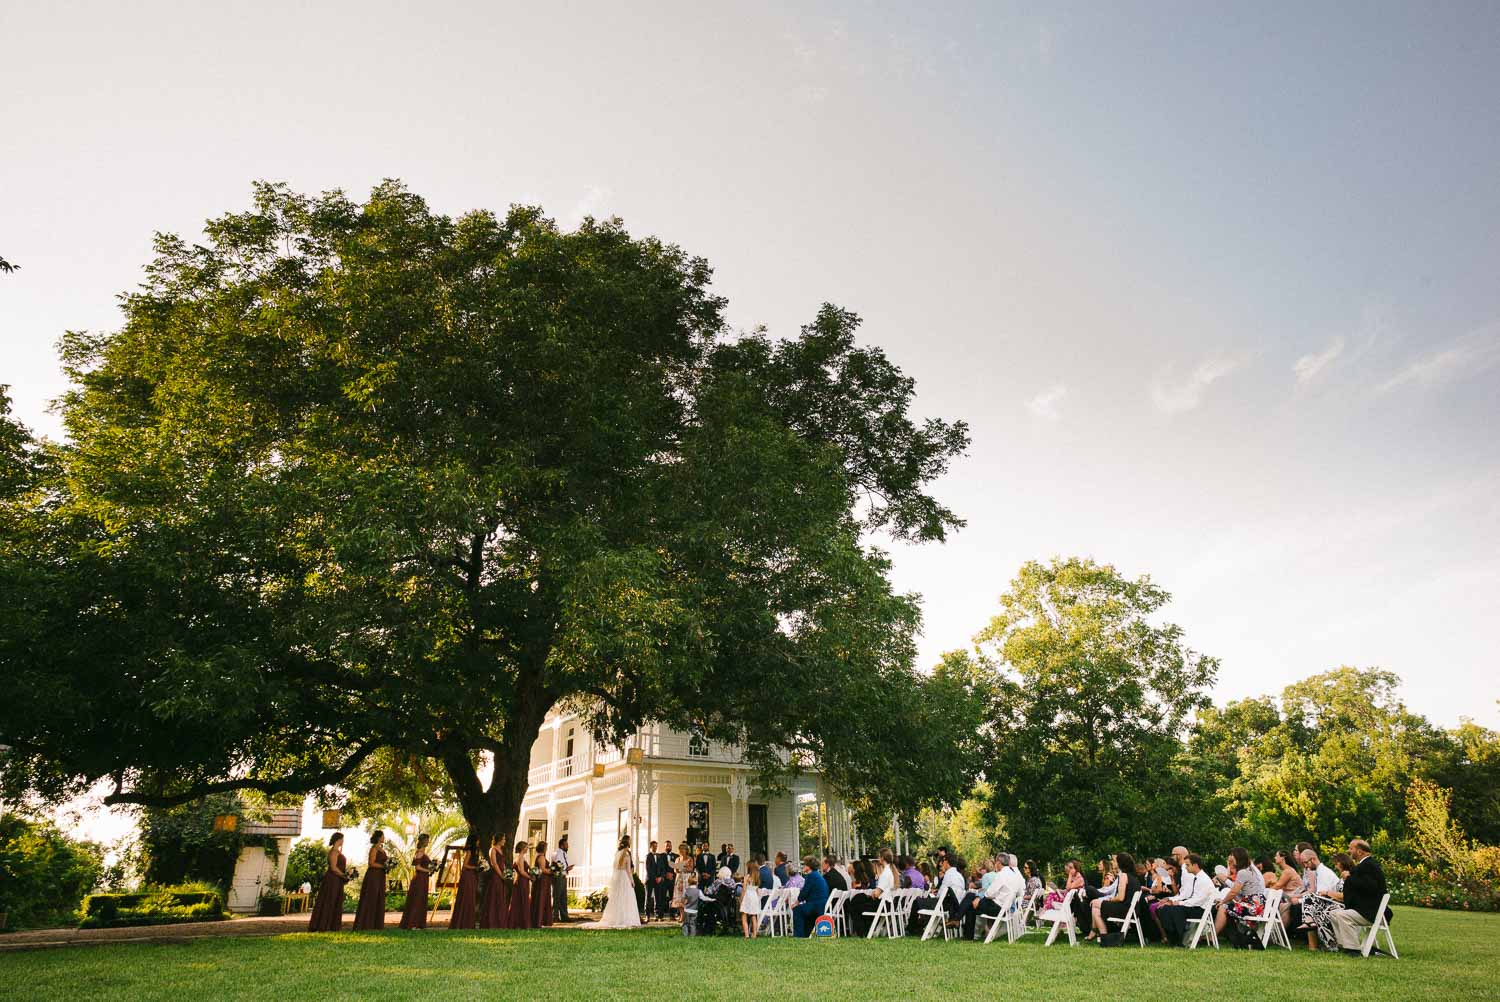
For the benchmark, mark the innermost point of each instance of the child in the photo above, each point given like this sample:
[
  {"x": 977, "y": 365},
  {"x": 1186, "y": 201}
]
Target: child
[
  {"x": 750, "y": 905},
  {"x": 690, "y": 897}
]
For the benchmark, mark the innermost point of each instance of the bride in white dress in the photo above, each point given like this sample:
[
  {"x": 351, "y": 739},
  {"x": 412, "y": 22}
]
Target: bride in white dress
[{"x": 620, "y": 912}]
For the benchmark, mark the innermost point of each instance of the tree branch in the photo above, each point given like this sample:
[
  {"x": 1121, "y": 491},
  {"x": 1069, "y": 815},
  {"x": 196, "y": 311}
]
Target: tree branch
[{"x": 294, "y": 783}]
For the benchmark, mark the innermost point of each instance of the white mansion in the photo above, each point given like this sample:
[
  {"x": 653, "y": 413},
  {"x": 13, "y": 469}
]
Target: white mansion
[{"x": 663, "y": 784}]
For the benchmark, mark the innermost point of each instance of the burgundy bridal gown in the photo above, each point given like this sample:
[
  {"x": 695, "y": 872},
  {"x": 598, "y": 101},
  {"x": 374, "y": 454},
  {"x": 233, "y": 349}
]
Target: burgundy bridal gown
[
  {"x": 414, "y": 916},
  {"x": 520, "y": 901},
  {"x": 371, "y": 911},
  {"x": 328, "y": 906},
  {"x": 496, "y": 911},
  {"x": 463, "y": 899}
]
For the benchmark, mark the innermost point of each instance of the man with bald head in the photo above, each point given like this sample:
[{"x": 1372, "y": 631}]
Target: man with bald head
[{"x": 1363, "y": 890}]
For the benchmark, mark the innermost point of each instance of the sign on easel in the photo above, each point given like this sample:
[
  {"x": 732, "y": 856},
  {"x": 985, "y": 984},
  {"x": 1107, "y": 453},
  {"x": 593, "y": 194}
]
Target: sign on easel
[{"x": 447, "y": 873}]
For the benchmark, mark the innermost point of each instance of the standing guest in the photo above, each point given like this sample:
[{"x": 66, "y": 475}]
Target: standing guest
[
  {"x": 1247, "y": 892},
  {"x": 913, "y": 876},
  {"x": 811, "y": 899},
  {"x": 520, "y": 894},
  {"x": 494, "y": 910},
  {"x": 750, "y": 905},
  {"x": 732, "y": 859},
  {"x": 1323, "y": 894},
  {"x": 835, "y": 880},
  {"x": 690, "y": 898},
  {"x": 328, "y": 906},
  {"x": 1195, "y": 893},
  {"x": 541, "y": 893},
  {"x": 682, "y": 866},
  {"x": 560, "y": 870},
  {"x": 414, "y": 915},
  {"x": 1117, "y": 905},
  {"x": 462, "y": 916},
  {"x": 371, "y": 911},
  {"x": 1364, "y": 888},
  {"x": 723, "y": 855},
  {"x": 706, "y": 867}
]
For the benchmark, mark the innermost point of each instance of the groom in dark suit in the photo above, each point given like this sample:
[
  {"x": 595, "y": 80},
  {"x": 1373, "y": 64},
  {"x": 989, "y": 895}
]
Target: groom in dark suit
[{"x": 659, "y": 880}]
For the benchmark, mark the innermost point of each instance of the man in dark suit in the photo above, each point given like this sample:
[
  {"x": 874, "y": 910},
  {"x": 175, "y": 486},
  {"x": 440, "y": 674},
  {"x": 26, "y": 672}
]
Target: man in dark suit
[
  {"x": 732, "y": 860},
  {"x": 1363, "y": 890},
  {"x": 656, "y": 869},
  {"x": 811, "y": 899},
  {"x": 766, "y": 880},
  {"x": 707, "y": 867},
  {"x": 781, "y": 871}
]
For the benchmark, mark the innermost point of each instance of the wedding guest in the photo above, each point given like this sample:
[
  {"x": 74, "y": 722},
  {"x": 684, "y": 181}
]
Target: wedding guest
[
  {"x": 690, "y": 899},
  {"x": 861, "y": 908},
  {"x": 414, "y": 915},
  {"x": 520, "y": 894},
  {"x": 371, "y": 911},
  {"x": 682, "y": 866},
  {"x": 928, "y": 876},
  {"x": 1284, "y": 876},
  {"x": 811, "y": 899},
  {"x": 705, "y": 865},
  {"x": 750, "y": 905},
  {"x": 541, "y": 908},
  {"x": 494, "y": 910},
  {"x": 1072, "y": 881},
  {"x": 832, "y": 877},
  {"x": 1005, "y": 887},
  {"x": 560, "y": 870},
  {"x": 1322, "y": 894},
  {"x": 955, "y": 902},
  {"x": 732, "y": 859},
  {"x": 795, "y": 879},
  {"x": 780, "y": 870},
  {"x": 328, "y": 906},
  {"x": 462, "y": 916},
  {"x": 912, "y": 877},
  {"x": 1033, "y": 875},
  {"x": 1195, "y": 893},
  {"x": 1364, "y": 888},
  {"x": 1247, "y": 892},
  {"x": 1117, "y": 905}
]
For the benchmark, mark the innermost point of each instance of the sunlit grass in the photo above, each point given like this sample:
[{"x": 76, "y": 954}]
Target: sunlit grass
[{"x": 1444, "y": 955}]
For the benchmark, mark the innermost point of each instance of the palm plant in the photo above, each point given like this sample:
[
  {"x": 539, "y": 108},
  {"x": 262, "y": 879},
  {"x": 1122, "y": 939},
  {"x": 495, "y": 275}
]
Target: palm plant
[{"x": 403, "y": 827}]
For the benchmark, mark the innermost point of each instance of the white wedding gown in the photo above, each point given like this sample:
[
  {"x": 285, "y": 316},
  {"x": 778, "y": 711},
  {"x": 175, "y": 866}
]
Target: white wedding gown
[{"x": 620, "y": 912}]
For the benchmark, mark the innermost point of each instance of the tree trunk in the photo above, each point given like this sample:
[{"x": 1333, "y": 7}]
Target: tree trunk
[{"x": 496, "y": 809}]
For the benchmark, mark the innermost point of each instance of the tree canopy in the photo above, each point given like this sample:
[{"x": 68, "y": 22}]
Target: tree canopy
[{"x": 357, "y": 483}]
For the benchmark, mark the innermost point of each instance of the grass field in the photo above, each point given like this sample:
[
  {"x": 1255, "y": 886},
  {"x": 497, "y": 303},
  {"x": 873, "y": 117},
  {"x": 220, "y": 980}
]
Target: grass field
[{"x": 1444, "y": 956}]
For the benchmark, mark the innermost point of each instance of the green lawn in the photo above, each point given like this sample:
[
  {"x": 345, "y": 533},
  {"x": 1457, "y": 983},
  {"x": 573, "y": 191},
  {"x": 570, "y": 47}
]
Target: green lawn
[{"x": 1444, "y": 955}]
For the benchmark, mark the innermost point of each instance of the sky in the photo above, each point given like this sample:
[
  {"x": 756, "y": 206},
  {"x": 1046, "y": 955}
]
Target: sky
[{"x": 1216, "y": 287}]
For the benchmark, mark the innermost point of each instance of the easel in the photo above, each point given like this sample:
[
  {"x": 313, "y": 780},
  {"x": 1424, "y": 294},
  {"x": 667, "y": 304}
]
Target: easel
[{"x": 448, "y": 873}]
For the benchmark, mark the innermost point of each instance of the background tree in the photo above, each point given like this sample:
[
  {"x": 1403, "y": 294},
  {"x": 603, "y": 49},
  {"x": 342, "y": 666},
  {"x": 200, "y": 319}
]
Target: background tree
[
  {"x": 1091, "y": 702},
  {"x": 43, "y": 873},
  {"x": 355, "y": 480},
  {"x": 970, "y": 828}
]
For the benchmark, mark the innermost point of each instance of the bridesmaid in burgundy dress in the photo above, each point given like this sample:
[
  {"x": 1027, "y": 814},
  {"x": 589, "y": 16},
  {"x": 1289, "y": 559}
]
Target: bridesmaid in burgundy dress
[
  {"x": 371, "y": 911},
  {"x": 328, "y": 906},
  {"x": 541, "y": 897},
  {"x": 520, "y": 894},
  {"x": 414, "y": 916},
  {"x": 496, "y": 911},
  {"x": 468, "y": 882}
]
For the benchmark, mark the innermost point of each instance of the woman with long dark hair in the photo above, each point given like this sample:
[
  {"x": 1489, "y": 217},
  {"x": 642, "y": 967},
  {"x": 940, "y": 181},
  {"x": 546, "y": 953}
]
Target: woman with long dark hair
[
  {"x": 541, "y": 895},
  {"x": 371, "y": 911},
  {"x": 414, "y": 915},
  {"x": 1117, "y": 905},
  {"x": 496, "y": 911},
  {"x": 463, "y": 914},
  {"x": 328, "y": 906}
]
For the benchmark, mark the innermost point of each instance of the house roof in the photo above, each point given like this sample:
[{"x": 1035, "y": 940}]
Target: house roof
[{"x": 283, "y": 823}]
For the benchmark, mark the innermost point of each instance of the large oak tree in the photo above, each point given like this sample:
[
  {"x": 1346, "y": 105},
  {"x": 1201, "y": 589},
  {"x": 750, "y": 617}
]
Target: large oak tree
[{"x": 359, "y": 482}]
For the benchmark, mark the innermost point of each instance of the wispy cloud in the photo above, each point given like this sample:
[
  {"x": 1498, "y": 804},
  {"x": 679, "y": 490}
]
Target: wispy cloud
[
  {"x": 1472, "y": 353},
  {"x": 590, "y": 203},
  {"x": 1308, "y": 366},
  {"x": 1044, "y": 404},
  {"x": 1172, "y": 395}
]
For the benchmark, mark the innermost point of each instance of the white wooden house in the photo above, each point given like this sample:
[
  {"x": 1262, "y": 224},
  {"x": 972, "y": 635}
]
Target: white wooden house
[
  {"x": 256, "y": 867},
  {"x": 663, "y": 784}
]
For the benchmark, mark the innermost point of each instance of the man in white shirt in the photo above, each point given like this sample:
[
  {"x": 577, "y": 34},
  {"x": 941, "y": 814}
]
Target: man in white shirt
[
  {"x": 997, "y": 897},
  {"x": 1188, "y": 904},
  {"x": 561, "y": 865},
  {"x": 1316, "y": 879},
  {"x": 954, "y": 902}
]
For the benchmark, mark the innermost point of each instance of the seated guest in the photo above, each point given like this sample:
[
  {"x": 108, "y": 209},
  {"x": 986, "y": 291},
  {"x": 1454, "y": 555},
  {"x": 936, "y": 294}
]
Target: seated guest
[
  {"x": 1159, "y": 880},
  {"x": 795, "y": 879},
  {"x": 871, "y": 884},
  {"x": 1282, "y": 875},
  {"x": 951, "y": 879},
  {"x": 767, "y": 876},
  {"x": 780, "y": 871},
  {"x": 1117, "y": 905},
  {"x": 929, "y": 875},
  {"x": 836, "y": 881},
  {"x": 1072, "y": 881},
  {"x": 1363, "y": 889},
  {"x": 910, "y": 875},
  {"x": 1196, "y": 892},
  {"x": 1033, "y": 875},
  {"x": 811, "y": 899},
  {"x": 1322, "y": 894},
  {"x": 1221, "y": 876},
  {"x": 1247, "y": 892},
  {"x": 1004, "y": 889}
]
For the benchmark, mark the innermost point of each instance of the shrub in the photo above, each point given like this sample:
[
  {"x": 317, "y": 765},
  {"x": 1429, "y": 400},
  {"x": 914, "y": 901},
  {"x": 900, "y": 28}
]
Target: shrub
[
  {"x": 43, "y": 874},
  {"x": 179, "y": 843},
  {"x": 305, "y": 864},
  {"x": 152, "y": 906}
]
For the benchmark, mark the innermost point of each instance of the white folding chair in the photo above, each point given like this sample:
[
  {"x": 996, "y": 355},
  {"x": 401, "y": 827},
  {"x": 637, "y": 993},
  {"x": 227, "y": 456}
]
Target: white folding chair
[
  {"x": 937, "y": 916},
  {"x": 1131, "y": 919},
  {"x": 883, "y": 917},
  {"x": 1378, "y": 926},
  {"x": 835, "y": 911},
  {"x": 1000, "y": 919},
  {"x": 1021, "y": 922},
  {"x": 904, "y": 905},
  {"x": 1271, "y": 928},
  {"x": 1061, "y": 917},
  {"x": 1204, "y": 925}
]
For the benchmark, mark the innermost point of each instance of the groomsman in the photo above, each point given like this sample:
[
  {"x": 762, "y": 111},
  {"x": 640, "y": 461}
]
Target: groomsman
[
  {"x": 706, "y": 865},
  {"x": 659, "y": 881},
  {"x": 671, "y": 856},
  {"x": 732, "y": 860},
  {"x": 560, "y": 867}
]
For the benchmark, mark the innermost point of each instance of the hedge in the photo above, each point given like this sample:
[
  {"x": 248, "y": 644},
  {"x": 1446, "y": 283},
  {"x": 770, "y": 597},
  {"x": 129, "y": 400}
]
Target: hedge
[{"x": 162, "y": 906}]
